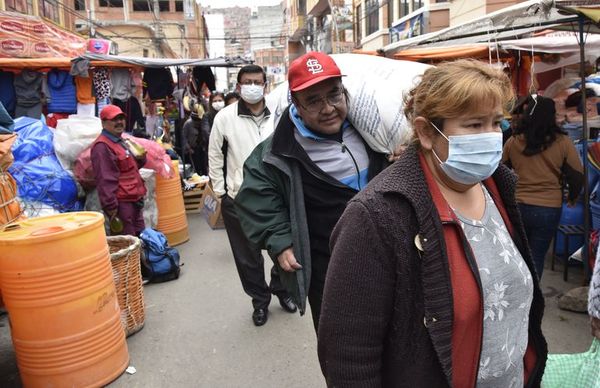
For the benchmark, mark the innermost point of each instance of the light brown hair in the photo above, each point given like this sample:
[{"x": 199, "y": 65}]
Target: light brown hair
[{"x": 453, "y": 89}]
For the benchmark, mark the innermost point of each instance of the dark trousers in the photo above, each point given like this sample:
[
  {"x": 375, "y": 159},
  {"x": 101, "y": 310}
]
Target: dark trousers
[
  {"x": 249, "y": 260},
  {"x": 540, "y": 223},
  {"x": 318, "y": 272},
  {"x": 133, "y": 218}
]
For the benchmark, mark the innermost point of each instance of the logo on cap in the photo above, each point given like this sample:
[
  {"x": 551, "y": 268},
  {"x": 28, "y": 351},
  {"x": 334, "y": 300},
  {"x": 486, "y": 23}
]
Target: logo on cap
[{"x": 314, "y": 66}]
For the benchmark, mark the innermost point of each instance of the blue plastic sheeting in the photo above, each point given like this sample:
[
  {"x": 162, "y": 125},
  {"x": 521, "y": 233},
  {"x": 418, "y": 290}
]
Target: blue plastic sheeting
[{"x": 40, "y": 176}]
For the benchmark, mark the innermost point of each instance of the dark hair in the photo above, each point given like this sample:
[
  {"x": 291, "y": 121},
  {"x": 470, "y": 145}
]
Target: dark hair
[
  {"x": 251, "y": 69},
  {"x": 230, "y": 96},
  {"x": 538, "y": 125},
  {"x": 211, "y": 98}
]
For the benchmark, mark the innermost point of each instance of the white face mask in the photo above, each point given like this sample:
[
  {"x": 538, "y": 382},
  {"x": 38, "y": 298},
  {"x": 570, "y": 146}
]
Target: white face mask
[
  {"x": 218, "y": 105},
  {"x": 252, "y": 93}
]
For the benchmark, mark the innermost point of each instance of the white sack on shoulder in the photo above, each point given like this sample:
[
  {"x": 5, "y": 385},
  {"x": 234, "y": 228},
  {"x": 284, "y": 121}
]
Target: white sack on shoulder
[{"x": 376, "y": 88}]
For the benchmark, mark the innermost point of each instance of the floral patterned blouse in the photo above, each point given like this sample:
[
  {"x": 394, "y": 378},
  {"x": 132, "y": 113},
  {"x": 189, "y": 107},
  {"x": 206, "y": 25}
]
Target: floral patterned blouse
[{"x": 507, "y": 296}]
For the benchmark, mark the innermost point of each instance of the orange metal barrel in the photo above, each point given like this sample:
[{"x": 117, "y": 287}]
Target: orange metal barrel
[
  {"x": 58, "y": 288},
  {"x": 172, "y": 220}
]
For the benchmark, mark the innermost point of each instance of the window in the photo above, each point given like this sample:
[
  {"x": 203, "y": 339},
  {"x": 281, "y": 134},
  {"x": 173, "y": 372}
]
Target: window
[
  {"x": 141, "y": 5},
  {"x": 302, "y": 7},
  {"x": 80, "y": 5},
  {"x": 416, "y": 4},
  {"x": 16, "y": 5},
  {"x": 358, "y": 23},
  {"x": 163, "y": 6},
  {"x": 178, "y": 6},
  {"x": 111, "y": 3},
  {"x": 404, "y": 10},
  {"x": 390, "y": 12},
  {"x": 372, "y": 9},
  {"x": 49, "y": 10}
]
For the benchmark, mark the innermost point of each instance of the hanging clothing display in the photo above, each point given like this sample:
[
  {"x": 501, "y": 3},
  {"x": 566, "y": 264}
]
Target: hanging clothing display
[
  {"x": 101, "y": 82},
  {"x": 28, "y": 90},
  {"x": 158, "y": 83},
  {"x": 84, "y": 90},
  {"x": 122, "y": 84},
  {"x": 7, "y": 91},
  {"x": 63, "y": 95},
  {"x": 86, "y": 109},
  {"x": 102, "y": 102}
]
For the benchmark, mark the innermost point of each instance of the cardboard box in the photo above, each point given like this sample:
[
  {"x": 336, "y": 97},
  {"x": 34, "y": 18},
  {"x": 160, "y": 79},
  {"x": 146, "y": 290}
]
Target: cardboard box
[{"x": 212, "y": 208}]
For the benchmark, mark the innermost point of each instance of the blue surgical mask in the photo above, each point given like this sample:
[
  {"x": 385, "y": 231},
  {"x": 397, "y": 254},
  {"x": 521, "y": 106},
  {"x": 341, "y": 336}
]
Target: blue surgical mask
[{"x": 471, "y": 158}]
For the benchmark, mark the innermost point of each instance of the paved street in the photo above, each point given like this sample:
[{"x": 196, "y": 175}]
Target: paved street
[{"x": 199, "y": 332}]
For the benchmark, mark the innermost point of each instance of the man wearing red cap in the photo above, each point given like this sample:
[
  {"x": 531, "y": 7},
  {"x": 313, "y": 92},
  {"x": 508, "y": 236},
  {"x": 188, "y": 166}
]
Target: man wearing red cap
[
  {"x": 297, "y": 182},
  {"x": 120, "y": 187}
]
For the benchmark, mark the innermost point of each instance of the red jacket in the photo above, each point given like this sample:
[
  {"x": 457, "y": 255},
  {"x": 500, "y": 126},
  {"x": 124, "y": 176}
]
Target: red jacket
[
  {"x": 467, "y": 326},
  {"x": 130, "y": 187}
]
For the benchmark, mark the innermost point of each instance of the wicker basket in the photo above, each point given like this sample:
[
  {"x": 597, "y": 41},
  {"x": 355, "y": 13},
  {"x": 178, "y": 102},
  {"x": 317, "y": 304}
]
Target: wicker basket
[{"x": 125, "y": 260}]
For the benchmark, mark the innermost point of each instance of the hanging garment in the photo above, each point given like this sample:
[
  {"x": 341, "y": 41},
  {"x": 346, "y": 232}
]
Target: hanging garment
[
  {"x": 28, "y": 90},
  {"x": 158, "y": 83},
  {"x": 84, "y": 90},
  {"x": 122, "y": 84},
  {"x": 102, "y": 102},
  {"x": 63, "y": 94},
  {"x": 7, "y": 91},
  {"x": 101, "y": 83},
  {"x": 86, "y": 109}
]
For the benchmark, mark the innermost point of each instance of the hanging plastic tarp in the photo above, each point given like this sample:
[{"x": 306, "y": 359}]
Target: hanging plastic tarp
[{"x": 39, "y": 175}]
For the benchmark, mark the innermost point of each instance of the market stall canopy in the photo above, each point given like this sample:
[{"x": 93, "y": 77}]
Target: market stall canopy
[
  {"x": 17, "y": 64},
  {"x": 444, "y": 53},
  {"x": 26, "y": 36},
  {"x": 510, "y": 22},
  {"x": 164, "y": 62}
]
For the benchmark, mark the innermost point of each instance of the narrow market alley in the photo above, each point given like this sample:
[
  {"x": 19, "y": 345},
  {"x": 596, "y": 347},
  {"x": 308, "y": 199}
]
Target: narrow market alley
[{"x": 199, "y": 333}]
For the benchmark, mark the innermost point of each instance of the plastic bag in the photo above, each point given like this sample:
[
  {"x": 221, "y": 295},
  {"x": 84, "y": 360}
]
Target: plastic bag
[
  {"x": 156, "y": 156},
  {"x": 156, "y": 160},
  {"x": 574, "y": 370},
  {"x": 73, "y": 135},
  {"x": 39, "y": 175},
  {"x": 376, "y": 88}
]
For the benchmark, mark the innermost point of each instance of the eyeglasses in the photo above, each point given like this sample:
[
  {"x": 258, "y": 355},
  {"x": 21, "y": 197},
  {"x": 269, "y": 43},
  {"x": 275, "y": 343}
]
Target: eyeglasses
[
  {"x": 317, "y": 105},
  {"x": 252, "y": 82}
]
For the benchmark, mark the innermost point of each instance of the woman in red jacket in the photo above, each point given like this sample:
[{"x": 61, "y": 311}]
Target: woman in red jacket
[{"x": 430, "y": 282}]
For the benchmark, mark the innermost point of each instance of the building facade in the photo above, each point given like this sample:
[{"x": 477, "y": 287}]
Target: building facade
[
  {"x": 236, "y": 35},
  {"x": 378, "y": 23},
  {"x": 319, "y": 25},
  {"x": 148, "y": 28}
]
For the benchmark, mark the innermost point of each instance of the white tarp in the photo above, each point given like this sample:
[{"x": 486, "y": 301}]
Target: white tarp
[
  {"x": 563, "y": 44},
  {"x": 516, "y": 20}
]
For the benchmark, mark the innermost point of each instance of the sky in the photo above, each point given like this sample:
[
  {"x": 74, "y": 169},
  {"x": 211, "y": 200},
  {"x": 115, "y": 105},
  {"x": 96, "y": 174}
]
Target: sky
[{"x": 240, "y": 3}]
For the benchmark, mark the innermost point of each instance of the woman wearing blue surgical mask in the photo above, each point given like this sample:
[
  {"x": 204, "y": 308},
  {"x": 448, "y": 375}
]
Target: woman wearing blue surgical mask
[{"x": 431, "y": 283}]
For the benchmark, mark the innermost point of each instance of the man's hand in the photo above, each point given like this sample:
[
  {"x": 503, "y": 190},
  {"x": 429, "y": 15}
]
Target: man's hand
[
  {"x": 595, "y": 327},
  {"x": 111, "y": 213},
  {"x": 287, "y": 260}
]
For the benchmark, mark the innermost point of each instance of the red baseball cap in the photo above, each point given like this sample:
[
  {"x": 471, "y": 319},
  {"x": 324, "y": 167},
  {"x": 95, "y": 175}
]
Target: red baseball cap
[
  {"x": 110, "y": 111},
  {"x": 311, "y": 68}
]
